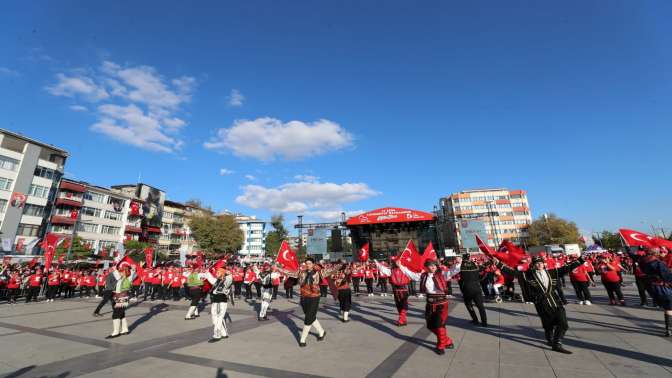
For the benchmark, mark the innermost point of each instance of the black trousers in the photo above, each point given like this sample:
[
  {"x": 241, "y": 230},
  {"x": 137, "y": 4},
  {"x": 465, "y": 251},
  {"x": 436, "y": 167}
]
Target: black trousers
[
  {"x": 107, "y": 296},
  {"x": 275, "y": 292},
  {"x": 582, "y": 291},
  {"x": 641, "y": 289},
  {"x": 614, "y": 290},
  {"x": 554, "y": 322},
  {"x": 355, "y": 284},
  {"x": 411, "y": 288},
  {"x": 237, "y": 288},
  {"x": 13, "y": 294},
  {"x": 33, "y": 292},
  {"x": 195, "y": 294},
  {"x": 383, "y": 285},
  {"x": 257, "y": 287},
  {"x": 118, "y": 312},
  {"x": 472, "y": 298},
  {"x": 369, "y": 285},
  {"x": 51, "y": 291},
  {"x": 310, "y": 305},
  {"x": 248, "y": 291},
  {"x": 345, "y": 299},
  {"x": 324, "y": 290}
]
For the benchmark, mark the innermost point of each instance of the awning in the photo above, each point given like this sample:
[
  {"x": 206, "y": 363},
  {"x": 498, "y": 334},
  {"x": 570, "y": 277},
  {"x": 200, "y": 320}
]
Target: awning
[
  {"x": 133, "y": 230},
  {"x": 57, "y": 219},
  {"x": 71, "y": 186},
  {"x": 154, "y": 230},
  {"x": 67, "y": 202}
]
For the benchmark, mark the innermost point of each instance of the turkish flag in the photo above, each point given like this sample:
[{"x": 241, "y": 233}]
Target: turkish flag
[
  {"x": 49, "y": 245},
  {"x": 513, "y": 252},
  {"x": 507, "y": 259},
  {"x": 411, "y": 258},
  {"x": 73, "y": 214},
  {"x": 634, "y": 238},
  {"x": 220, "y": 263},
  {"x": 149, "y": 257},
  {"x": 287, "y": 258},
  {"x": 430, "y": 253},
  {"x": 364, "y": 252},
  {"x": 126, "y": 261}
]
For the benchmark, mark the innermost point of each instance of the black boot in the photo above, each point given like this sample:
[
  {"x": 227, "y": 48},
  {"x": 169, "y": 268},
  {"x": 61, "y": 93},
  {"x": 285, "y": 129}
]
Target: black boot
[
  {"x": 668, "y": 325},
  {"x": 474, "y": 318},
  {"x": 549, "y": 336},
  {"x": 557, "y": 341}
]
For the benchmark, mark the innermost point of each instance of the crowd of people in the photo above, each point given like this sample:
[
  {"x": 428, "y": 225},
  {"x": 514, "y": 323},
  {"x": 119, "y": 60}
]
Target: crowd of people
[{"x": 541, "y": 280}]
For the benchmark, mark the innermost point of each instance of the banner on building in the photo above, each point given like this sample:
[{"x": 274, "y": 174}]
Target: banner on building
[
  {"x": 18, "y": 200},
  {"x": 317, "y": 242},
  {"x": 468, "y": 229},
  {"x": 7, "y": 244}
]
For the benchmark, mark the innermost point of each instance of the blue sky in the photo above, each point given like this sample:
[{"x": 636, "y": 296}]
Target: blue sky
[{"x": 316, "y": 107}]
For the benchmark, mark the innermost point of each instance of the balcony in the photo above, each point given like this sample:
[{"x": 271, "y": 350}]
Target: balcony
[
  {"x": 58, "y": 219},
  {"x": 71, "y": 186},
  {"x": 68, "y": 202},
  {"x": 133, "y": 229},
  {"x": 153, "y": 230}
]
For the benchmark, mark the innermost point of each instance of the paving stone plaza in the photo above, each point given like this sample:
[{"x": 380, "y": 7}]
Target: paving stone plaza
[{"x": 62, "y": 339}]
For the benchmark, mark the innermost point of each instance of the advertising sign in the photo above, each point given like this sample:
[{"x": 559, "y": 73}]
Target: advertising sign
[
  {"x": 467, "y": 230},
  {"x": 317, "y": 242}
]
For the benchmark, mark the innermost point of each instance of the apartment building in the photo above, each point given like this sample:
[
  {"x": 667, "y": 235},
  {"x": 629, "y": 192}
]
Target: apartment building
[
  {"x": 253, "y": 236},
  {"x": 96, "y": 214},
  {"x": 174, "y": 230},
  {"x": 504, "y": 214},
  {"x": 29, "y": 175}
]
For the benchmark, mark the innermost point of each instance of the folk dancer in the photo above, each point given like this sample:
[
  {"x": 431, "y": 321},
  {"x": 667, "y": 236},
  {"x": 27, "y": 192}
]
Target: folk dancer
[
  {"x": 123, "y": 277},
  {"x": 342, "y": 279},
  {"x": 399, "y": 282},
  {"x": 660, "y": 281},
  {"x": 542, "y": 290},
  {"x": 433, "y": 284},
  {"x": 195, "y": 285},
  {"x": 219, "y": 295},
  {"x": 266, "y": 278}
]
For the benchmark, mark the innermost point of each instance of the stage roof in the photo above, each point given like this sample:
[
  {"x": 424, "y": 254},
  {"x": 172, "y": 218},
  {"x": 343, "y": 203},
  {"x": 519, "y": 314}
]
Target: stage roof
[{"x": 390, "y": 215}]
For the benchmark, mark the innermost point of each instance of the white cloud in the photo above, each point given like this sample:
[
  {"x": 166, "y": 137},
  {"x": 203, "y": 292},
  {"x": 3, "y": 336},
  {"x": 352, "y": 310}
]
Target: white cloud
[
  {"x": 268, "y": 138},
  {"x": 131, "y": 125},
  {"x": 78, "y": 108},
  {"x": 71, "y": 86},
  {"x": 138, "y": 106},
  {"x": 8, "y": 72},
  {"x": 303, "y": 196},
  {"x": 332, "y": 215},
  {"x": 225, "y": 172},
  {"x": 250, "y": 177},
  {"x": 306, "y": 178},
  {"x": 236, "y": 98}
]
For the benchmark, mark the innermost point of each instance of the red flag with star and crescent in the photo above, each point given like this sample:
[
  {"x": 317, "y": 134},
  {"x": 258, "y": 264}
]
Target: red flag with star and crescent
[
  {"x": 49, "y": 245},
  {"x": 411, "y": 258},
  {"x": 634, "y": 238},
  {"x": 287, "y": 258},
  {"x": 508, "y": 259},
  {"x": 430, "y": 253},
  {"x": 364, "y": 253}
]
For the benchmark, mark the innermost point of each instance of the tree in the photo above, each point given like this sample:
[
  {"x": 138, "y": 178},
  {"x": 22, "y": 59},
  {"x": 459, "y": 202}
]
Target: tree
[
  {"x": 610, "y": 240},
  {"x": 274, "y": 238},
  {"x": 79, "y": 250},
  {"x": 216, "y": 235},
  {"x": 551, "y": 229}
]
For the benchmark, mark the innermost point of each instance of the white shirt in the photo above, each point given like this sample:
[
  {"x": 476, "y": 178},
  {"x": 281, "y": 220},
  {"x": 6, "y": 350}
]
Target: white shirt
[
  {"x": 542, "y": 276},
  {"x": 429, "y": 283}
]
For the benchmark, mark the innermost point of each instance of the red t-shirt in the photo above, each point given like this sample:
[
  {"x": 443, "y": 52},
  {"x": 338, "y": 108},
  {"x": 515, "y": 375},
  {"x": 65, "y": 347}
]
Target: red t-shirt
[
  {"x": 609, "y": 275},
  {"x": 35, "y": 280},
  {"x": 579, "y": 274}
]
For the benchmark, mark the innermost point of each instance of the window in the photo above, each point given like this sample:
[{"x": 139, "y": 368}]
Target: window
[
  {"x": 5, "y": 183},
  {"x": 90, "y": 211},
  {"x": 3, "y": 205},
  {"x": 110, "y": 230},
  {"x": 28, "y": 229},
  {"x": 113, "y": 215},
  {"x": 61, "y": 229},
  {"x": 45, "y": 172},
  {"x": 87, "y": 227},
  {"x": 95, "y": 197},
  {"x": 9, "y": 163},
  {"x": 33, "y": 210},
  {"x": 108, "y": 245},
  {"x": 117, "y": 203},
  {"x": 38, "y": 191}
]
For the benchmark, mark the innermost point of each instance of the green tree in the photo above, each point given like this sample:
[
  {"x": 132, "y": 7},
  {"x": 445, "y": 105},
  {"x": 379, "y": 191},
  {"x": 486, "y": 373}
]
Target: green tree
[
  {"x": 274, "y": 238},
  {"x": 216, "y": 235},
  {"x": 79, "y": 250},
  {"x": 610, "y": 240},
  {"x": 551, "y": 229}
]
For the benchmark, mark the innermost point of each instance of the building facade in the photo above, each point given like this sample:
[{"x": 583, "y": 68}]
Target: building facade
[
  {"x": 29, "y": 175},
  {"x": 253, "y": 230},
  {"x": 97, "y": 215},
  {"x": 173, "y": 231},
  {"x": 503, "y": 213}
]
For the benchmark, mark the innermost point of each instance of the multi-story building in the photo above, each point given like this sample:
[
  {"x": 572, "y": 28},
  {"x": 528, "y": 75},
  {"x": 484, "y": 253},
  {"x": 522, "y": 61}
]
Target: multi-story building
[
  {"x": 29, "y": 174},
  {"x": 97, "y": 215},
  {"x": 505, "y": 214},
  {"x": 145, "y": 215},
  {"x": 173, "y": 233},
  {"x": 253, "y": 229}
]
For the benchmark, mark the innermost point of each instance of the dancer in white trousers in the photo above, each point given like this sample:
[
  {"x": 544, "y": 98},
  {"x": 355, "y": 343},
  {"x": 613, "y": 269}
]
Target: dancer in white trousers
[
  {"x": 266, "y": 277},
  {"x": 219, "y": 295}
]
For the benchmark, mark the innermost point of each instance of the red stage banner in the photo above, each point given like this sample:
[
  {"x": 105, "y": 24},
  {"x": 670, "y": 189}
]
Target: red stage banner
[{"x": 390, "y": 215}]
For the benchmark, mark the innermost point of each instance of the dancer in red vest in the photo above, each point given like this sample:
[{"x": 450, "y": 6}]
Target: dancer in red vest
[
  {"x": 433, "y": 283},
  {"x": 399, "y": 282}
]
